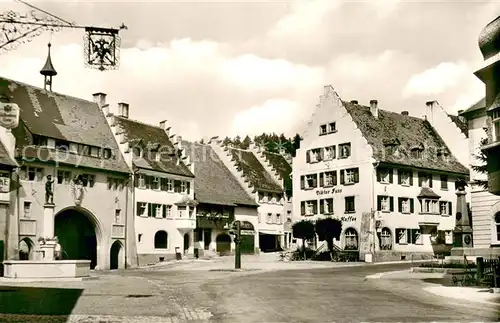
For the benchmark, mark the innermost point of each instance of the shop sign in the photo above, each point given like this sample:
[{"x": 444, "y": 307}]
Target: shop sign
[
  {"x": 9, "y": 115},
  {"x": 329, "y": 191},
  {"x": 349, "y": 218}
]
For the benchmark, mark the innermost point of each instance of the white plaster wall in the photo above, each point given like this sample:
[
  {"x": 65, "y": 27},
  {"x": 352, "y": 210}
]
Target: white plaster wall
[{"x": 251, "y": 215}]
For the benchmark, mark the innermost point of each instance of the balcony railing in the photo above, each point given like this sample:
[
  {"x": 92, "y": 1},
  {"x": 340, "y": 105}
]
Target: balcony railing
[{"x": 429, "y": 220}]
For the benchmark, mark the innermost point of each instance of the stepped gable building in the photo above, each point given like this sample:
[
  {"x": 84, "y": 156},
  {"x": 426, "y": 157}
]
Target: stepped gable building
[
  {"x": 221, "y": 200},
  {"x": 279, "y": 166},
  {"x": 164, "y": 208},
  {"x": 379, "y": 172},
  {"x": 265, "y": 189},
  {"x": 68, "y": 139}
]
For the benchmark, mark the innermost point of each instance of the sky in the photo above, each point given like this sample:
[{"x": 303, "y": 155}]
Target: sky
[{"x": 218, "y": 68}]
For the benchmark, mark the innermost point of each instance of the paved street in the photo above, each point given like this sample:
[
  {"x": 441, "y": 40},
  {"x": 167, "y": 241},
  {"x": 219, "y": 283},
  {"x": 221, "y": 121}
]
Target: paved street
[{"x": 169, "y": 295}]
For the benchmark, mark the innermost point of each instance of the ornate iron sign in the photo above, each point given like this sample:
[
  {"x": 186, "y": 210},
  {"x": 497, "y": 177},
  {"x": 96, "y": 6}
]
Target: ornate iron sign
[
  {"x": 9, "y": 115},
  {"x": 102, "y": 48}
]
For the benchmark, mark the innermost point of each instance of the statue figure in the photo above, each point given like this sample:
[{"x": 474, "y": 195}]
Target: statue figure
[
  {"x": 78, "y": 189},
  {"x": 49, "y": 194}
]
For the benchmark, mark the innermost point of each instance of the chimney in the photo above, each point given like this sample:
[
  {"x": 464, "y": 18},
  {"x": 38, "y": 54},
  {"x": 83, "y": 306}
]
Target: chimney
[
  {"x": 405, "y": 113},
  {"x": 164, "y": 124},
  {"x": 429, "y": 112},
  {"x": 105, "y": 109},
  {"x": 100, "y": 99},
  {"x": 354, "y": 101},
  {"x": 460, "y": 112},
  {"x": 374, "y": 108},
  {"x": 123, "y": 110}
]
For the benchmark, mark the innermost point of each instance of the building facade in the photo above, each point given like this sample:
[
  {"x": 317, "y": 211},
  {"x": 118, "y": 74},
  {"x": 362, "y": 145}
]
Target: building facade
[
  {"x": 163, "y": 203},
  {"x": 389, "y": 177},
  {"x": 221, "y": 200},
  {"x": 264, "y": 188},
  {"x": 64, "y": 145}
]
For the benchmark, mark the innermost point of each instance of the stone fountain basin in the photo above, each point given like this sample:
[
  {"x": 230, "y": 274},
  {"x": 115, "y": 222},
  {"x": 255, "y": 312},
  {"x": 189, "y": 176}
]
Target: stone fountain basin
[{"x": 51, "y": 269}]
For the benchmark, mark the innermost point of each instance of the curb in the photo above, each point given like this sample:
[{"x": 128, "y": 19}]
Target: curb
[
  {"x": 429, "y": 290},
  {"x": 46, "y": 280}
]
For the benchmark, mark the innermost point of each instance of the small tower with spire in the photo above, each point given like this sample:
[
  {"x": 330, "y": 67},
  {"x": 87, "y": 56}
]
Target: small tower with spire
[{"x": 48, "y": 71}]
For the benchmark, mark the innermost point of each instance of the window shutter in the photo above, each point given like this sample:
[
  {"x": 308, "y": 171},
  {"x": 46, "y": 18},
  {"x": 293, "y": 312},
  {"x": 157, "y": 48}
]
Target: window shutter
[
  {"x": 356, "y": 175},
  {"x": 321, "y": 206},
  {"x": 308, "y": 156},
  {"x": 379, "y": 203},
  {"x": 137, "y": 208},
  {"x": 411, "y": 206},
  {"x": 302, "y": 182},
  {"x": 334, "y": 152},
  {"x": 379, "y": 178},
  {"x": 315, "y": 208},
  {"x": 430, "y": 181},
  {"x": 390, "y": 175},
  {"x": 322, "y": 153},
  {"x": 449, "y": 209},
  {"x": 164, "y": 207},
  {"x": 399, "y": 176},
  {"x": 391, "y": 203},
  {"x": 335, "y": 178},
  {"x": 315, "y": 181},
  {"x": 342, "y": 177},
  {"x": 321, "y": 179},
  {"x": 411, "y": 178},
  {"x": 400, "y": 204},
  {"x": 302, "y": 208},
  {"x": 136, "y": 180},
  {"x": 420, "y": 180},
  {"x": 150, "y": 209},
  {"x": 188, "y": 187}
]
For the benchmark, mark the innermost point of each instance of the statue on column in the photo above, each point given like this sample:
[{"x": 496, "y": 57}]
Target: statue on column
[
  {"x": 49, "y": 194},
  {"x": 78, "y": 189}
]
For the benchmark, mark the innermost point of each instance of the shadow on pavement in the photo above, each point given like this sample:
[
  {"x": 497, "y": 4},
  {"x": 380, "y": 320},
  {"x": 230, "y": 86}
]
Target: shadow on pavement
[{"x": 38, "y": 301}]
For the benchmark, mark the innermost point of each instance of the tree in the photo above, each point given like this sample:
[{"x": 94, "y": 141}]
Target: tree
[
  {"x": 482, "y": 167},
  {"x": 226, "y": 141},
  {"x": 303, "y": 230},
  {"x": 327, "y": 229},
  {"x": 245, "y": 144}
]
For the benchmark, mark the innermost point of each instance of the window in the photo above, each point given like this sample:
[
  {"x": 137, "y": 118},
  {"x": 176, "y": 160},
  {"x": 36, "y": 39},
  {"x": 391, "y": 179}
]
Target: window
[
  {"x": 95, "y": 151},
  {"x": 444, "y": 182},
  {"x": 167, "y": 185},
  {"x": 32, "y": 173},
  {"x": 349, "y": 176},
  {"x": 155, "y": 183},
  {"x": 385, "y": 239},
  {"x": 136, "y": 151},
  {"x": 408, "y": 236},
  {"x": 139, "y": 237},
  {"x": 425, "y": 180},
  {"x": 262, "y": 197},
  {"x": 416, "y": 153},
  {"x": 496, "y": 125},
  {"x": 158, "y": 212},
  {"x": 326, "y": 206},
  {"x": 448, "y": 237},
  {"x": 73, "y": 147},
  {"x": 62, "y": 145},
  {"x": 329, "y": 153},
  {"x": 385, "y": 203},
  {"x": 107, "y": 153},
  {"x": 322, "y": 130},
  {"x": 88, "y": 180},
  {"x": 161, "y": 240},
  {"x": 278, "y": 219},
  {"x": 345, "y": 150},
  {"x": 39, "y": 141},
  {"x": 167, "y": 211},
  {"x": 274, "y": 200},
  {"x": 153, "y": 155},
  {"x": 191, "y": 212},
  {"x": 332, "y": 127},
  {"x": 429, "y": 206},
  {"x": 351, "y": 239},
  {"x": 289, "y": 216},
  {"x": 309, "y": 181},
  {"x": 83, "y": 150},
  {"x": 63, "y": 177},
  {"x": 349, "y": 204},
  {"x": 27, "y": 209},
  {"x": 141, "y": 181},
  {"x": 405, "y": 178},
  {"x": 141, "y": 208},
  {"x": 328, "y": 179},
  {"x": 269, "y": 218},
  {"x": 405, "y": 205},
  {"x": 118, "y": 216},
  {"x": 445, "y": 208},
  {"x": 309, "y": 207},
  {"x": 314, "y": 155},
  {"x": 182, "y": 211},
  {"x": 384, "y": 175}
]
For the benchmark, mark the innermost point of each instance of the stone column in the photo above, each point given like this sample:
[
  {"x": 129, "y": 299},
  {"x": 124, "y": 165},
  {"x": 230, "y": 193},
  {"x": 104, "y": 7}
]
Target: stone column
[
  {"x": 48, "y": 247},
  {"x": 462, "y": 234}
]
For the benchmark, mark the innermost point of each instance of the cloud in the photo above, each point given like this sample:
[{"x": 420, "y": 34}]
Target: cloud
[{"x": 436, "y": 80}]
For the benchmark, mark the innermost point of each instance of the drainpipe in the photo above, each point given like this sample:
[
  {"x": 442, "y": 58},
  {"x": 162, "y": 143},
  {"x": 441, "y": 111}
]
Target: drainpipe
[
  {"x": 126, "y": 224},
  {"x": 372, "y": 211}
]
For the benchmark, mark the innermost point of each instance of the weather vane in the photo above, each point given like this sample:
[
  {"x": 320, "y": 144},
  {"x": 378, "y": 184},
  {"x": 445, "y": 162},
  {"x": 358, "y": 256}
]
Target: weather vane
[{"x": 102, "y": 45}]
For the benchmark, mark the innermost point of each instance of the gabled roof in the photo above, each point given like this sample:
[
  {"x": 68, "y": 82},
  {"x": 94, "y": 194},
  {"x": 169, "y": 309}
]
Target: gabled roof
[
  {"x": 62, "y": 117},
  {"x": 5, "y": 158},
  {"x": 427, "y": 192},
  {"x": 282, "y": 167},
  {"x": 410, "y": 131},
  {"x": 460, "y": 124},
  {"x": 214, "y": 183},
  {"x": 146, "y": 137},
  {"x": 481, "y": 104},
  {"x": 254, "y": 171}
]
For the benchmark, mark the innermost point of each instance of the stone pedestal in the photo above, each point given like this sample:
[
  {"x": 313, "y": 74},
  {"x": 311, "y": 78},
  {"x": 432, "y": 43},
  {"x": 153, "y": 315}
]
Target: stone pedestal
[
  {"x": 462, "y": 233},
  {"x": 48, "y": 220},
  {"x": 48, "y": 250}
]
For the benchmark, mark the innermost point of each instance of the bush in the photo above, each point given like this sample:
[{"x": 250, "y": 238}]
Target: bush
[
  {"x": 451, "y": 265},
  {"x": 298, "y": 254},
  {"x": 322, "y": 256}
]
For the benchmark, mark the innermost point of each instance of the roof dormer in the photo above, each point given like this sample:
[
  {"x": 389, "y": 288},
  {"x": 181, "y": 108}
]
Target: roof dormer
[{"x": 416, "y": 151}]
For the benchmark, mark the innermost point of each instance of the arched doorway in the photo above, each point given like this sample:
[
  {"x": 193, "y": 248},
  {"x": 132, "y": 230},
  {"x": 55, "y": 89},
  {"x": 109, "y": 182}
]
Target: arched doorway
[
  {"x": 116, "y": 256},
  {"x": 223, "y": 243},
  {"x": 25, "y": 249},
  {"x": 76, "y": 233},
  {"x": 186, "y": 242}
]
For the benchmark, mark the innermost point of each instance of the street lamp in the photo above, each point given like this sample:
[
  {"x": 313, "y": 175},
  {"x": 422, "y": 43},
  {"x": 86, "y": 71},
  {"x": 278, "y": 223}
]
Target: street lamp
[{"x": 236, "y": 232}]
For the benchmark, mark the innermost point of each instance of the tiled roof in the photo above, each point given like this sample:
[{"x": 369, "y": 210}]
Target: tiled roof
[
  {"x": 147, "y": 137},
  {"x": 284, "y": 169},
  {"x": 5, "y": 158},
  {"x": 481, "y": 104},
  {"x": 427, "y": 192},
  {"x": 253, "y": 170},
  {"x": 63, "y": 117},
  {"x": 410, "y": 131},
  {"x": 460, "y": 124},
  {"x": 214, "y": 183}
]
